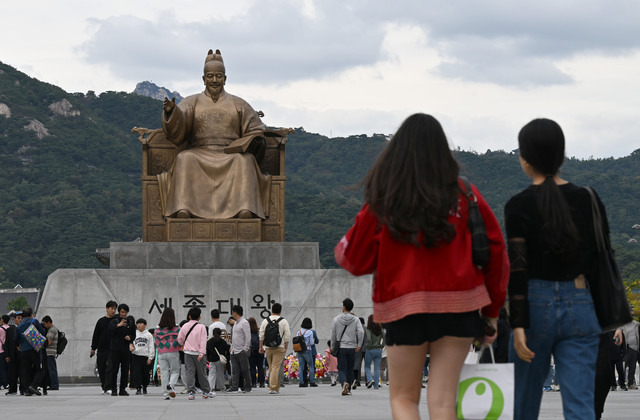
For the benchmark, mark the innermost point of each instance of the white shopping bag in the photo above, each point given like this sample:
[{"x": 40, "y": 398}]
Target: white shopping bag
[{"x": 485, "y": 391}]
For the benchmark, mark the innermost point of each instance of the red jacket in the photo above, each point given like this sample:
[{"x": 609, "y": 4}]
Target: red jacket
[{"x": 410, "y": 280}]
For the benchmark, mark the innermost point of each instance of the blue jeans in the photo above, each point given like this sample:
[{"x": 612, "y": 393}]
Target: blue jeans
[
  {"x": 375, "y": 357},
  {"x": 306, "y": 359},
  {"x": 562, "y": 322}
]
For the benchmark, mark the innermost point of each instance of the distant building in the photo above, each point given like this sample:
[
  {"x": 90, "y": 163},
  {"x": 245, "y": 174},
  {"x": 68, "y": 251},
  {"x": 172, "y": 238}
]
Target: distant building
[{"x": 31, "y": 294}]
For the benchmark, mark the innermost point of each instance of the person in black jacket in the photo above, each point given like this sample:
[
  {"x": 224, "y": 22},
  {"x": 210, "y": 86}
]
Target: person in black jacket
[
  {"x": 7, "y": 353},
  {"x": 31, "y": 372},
  {"x": 216, "y": 367},
  {"x": 101, "y": 342},
  {"x": 122, "y": 331},
  {"x": 12, "y": 356}
]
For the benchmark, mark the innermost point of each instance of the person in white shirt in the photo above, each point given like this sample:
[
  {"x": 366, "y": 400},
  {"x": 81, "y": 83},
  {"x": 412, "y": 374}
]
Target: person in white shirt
[
  {"x": 143, "y": 352},
  {"x": 216, "y": 323}
]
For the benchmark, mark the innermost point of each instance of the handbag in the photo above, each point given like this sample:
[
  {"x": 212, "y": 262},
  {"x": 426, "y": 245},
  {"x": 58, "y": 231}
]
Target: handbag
[
  {"x": 605, "y": 283},
  {"x": 223, "y": 359},
  {"x": 335, "y": 347},
  {"x": 485, "y": 391},
  {"x": 479, "y": 239},
  {"x": 33, "y": 337}
]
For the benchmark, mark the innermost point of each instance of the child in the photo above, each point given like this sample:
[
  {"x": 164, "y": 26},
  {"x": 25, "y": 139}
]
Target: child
[
  {"x": 332, "y": 364},
  {"x": 143, "y": 353}
]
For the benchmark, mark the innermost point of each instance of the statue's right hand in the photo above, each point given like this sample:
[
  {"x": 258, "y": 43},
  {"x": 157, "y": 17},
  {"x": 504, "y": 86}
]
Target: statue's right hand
[{"x": 168, "y": 105}]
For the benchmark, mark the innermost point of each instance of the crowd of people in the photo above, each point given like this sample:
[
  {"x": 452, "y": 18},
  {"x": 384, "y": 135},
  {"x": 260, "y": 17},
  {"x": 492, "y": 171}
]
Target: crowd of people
[
  {"x": 28, "y": 367},
  {"x": 436, "y": 290},
  {"x": 210, "y": 359}
]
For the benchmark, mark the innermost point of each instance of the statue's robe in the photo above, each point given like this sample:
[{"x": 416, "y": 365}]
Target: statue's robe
[{"x": 204, "y": 179}]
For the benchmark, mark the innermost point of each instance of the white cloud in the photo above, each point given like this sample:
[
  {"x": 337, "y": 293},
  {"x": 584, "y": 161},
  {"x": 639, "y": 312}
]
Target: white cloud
[{"x": 361, "y": 66}]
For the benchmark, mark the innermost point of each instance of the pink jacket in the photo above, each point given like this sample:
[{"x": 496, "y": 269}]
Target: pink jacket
[
  {"x": 197, "y": 340},
  {"x": 332, "y": 362}
]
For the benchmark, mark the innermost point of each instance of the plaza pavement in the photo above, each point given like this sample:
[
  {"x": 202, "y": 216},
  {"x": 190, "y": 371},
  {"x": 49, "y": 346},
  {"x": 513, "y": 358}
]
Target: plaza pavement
[{"x": 324, "y": 402}]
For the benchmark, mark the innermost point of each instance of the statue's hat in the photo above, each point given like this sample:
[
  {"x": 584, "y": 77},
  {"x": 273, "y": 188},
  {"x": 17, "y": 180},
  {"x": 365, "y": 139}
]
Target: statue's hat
[{"x": 215, "y": 59}]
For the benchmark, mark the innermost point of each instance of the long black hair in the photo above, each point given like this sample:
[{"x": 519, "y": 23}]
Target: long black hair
[
  {"x": 541, "y": 144},
  {"x": 413, "y": 185}
]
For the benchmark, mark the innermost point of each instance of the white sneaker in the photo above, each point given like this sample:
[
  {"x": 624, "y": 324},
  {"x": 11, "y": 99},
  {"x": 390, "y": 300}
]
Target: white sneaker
[
  {"x": 273, "y": 392},
  {"x": 109, "y": 392},
  {"x": 212, "y": 394}
]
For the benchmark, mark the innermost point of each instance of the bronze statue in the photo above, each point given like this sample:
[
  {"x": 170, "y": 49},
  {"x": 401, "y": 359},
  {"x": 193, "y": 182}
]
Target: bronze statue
[{"x": 217, "y": 175}]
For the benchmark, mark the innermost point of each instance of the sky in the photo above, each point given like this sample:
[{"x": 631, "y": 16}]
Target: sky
[{"x": 348, "y": 67}]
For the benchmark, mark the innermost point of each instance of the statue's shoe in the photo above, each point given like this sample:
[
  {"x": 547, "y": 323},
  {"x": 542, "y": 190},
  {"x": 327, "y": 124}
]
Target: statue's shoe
[
  {"x": 183, "y": 214},
  {"x": 244, "y": 214}
]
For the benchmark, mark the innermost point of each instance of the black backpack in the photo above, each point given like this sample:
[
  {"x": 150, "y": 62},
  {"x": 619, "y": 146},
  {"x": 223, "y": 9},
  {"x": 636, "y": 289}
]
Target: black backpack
[
  {"x": 299, "y": 342},
  {"x": 272, "y": 336},
  {"x": 62, "y": 342}
]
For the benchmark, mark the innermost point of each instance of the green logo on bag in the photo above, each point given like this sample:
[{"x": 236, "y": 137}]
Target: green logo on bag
[{"x": 497, "y": 403}]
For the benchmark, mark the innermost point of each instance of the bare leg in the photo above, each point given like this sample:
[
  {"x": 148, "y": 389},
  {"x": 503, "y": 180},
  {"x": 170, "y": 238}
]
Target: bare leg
[
  {"x": 447, "y": 358},
  {"x": 405, "y": 379}
]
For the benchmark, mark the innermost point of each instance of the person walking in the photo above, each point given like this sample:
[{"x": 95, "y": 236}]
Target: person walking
[
  {"x": 375, "y": 343},
  {"x": 347, "y": 330},
  {"x": 101, "y": 345},
  {"x": 413, "y": 234},
  {"x": 274, "y": 335},
  {"x": 166, "y": 341},
  {"x": 552, "y": 247},
  {"x": 142, "y": 354},
  {"x": 632, "y": 341},
  {"x": 193, "y": 338}
]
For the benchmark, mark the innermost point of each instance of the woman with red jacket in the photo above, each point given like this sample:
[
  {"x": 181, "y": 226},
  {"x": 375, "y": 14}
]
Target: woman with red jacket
[{"x": 412, "y": 234}]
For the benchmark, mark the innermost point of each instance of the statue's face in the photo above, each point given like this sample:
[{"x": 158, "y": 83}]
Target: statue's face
[{"x": 214, "y": 81}]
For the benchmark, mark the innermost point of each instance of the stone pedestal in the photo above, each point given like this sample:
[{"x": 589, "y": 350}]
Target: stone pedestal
[{"x": 151, "y": 276}]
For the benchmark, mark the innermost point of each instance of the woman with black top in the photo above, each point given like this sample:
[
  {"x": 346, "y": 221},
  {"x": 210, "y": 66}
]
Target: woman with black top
[
  {"x": 256, "y": 359},
  {"x": 216, "y": 346},
  {"x": 551, "y": 245}
]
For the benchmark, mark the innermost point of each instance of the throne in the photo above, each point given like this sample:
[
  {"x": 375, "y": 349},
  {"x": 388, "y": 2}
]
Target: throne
[{"x": 158, "y": 155}]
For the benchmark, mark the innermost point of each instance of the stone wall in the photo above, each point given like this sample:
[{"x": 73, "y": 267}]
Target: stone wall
[{"x": 75, "y": 298}]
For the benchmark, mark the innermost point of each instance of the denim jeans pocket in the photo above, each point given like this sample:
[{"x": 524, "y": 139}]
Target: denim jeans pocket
[{"x": 581, "y": 314}]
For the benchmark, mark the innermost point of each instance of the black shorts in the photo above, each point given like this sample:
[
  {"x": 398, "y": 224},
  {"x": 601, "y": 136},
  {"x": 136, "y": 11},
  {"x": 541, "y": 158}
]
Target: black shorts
[{"x": 417, "y": 329}]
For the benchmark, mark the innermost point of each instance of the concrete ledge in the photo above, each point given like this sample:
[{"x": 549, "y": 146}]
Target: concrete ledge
[{"x": 214, "y": 255}]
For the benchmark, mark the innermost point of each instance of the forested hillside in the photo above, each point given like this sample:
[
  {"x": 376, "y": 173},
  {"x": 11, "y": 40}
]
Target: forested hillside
[{"x": 70, "y": 180}]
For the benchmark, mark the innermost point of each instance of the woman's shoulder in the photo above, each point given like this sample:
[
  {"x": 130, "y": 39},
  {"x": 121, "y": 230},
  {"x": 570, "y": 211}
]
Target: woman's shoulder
[{"x": 521, "y": 200}]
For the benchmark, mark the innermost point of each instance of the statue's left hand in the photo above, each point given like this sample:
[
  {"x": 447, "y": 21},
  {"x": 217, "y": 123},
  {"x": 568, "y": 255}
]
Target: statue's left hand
[{"x": 169, "y": 105}]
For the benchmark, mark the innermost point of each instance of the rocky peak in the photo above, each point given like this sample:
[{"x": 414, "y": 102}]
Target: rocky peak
[{"x": 152, "y": 90}]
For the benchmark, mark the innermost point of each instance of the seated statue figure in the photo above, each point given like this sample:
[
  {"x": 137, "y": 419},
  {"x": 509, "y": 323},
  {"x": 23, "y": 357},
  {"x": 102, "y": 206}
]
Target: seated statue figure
[{"x": 217, "y": 175}]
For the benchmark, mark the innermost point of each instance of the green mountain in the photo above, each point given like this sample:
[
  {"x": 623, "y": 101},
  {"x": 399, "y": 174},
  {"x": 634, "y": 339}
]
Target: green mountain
[{"x": 70, "y": 180}]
